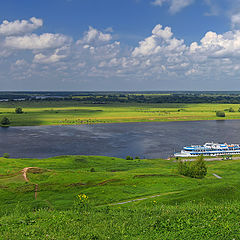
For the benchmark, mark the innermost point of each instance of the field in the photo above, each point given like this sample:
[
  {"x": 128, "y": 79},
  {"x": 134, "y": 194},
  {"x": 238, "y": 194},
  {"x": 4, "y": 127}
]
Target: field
[
  {"x": 73, "y": 112},
  {"x": 44, "y": 204}
]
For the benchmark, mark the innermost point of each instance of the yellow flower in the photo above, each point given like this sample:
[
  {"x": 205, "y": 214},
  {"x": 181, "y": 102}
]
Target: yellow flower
[{"x": 82, "y": 197}]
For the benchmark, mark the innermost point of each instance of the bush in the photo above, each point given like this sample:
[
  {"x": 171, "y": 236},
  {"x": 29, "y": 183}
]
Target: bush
[
  {"x": 220, "y": 114},
  {"x": 137, "y": 157},
  {"x": 18, "y": 110},
  {"x": 195, "y": 169},
  {"x": 6, "y": 155},
  {"x": 231, "y": 110},
  {"x": 5, "y": 121},
  {"x": 129, "y": 158},
  {"x": 92, "y": 170}
]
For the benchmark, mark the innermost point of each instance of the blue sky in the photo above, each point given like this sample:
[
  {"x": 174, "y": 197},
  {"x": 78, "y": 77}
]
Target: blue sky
[{"x": 120, "y": 45}]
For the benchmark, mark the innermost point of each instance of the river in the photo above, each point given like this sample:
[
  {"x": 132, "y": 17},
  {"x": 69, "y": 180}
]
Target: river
[{"x": 146, "y": 140}]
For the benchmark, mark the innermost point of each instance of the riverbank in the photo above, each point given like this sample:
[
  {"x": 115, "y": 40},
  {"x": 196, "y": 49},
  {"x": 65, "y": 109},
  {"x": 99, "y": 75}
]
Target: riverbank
[
  {"x": 74, "y": 113},
  {"x": 105, "y": 180},
  {"x": 77, "y": 196}
]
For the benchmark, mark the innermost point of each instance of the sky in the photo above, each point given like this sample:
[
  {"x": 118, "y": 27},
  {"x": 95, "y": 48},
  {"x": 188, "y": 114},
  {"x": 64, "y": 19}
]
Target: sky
[{"x": 119, "y": 45}]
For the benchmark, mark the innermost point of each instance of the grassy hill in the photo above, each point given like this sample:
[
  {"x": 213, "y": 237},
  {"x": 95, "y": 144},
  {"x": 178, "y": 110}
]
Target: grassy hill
[{"x": 44, "y": 204}]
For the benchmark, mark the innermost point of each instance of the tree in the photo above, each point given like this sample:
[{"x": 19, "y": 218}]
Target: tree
[
  {"x": 18, "y": 110},
  {"x": 6, "y": 155},
  {"x": 220, "y": 114},
  {"x": 5, "y": 121}
]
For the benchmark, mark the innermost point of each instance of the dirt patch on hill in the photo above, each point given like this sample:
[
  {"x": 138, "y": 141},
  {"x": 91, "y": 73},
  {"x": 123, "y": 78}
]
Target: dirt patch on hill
[
  {"x": 32, "y": 170},
  {"x": 25, "y": 170},
  {"x": 107, "y": 181}
]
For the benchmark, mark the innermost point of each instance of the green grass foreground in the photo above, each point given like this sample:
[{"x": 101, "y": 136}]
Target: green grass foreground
[
  {"x": 73, "y": 112},
  {"x": 186, "y": 208}
]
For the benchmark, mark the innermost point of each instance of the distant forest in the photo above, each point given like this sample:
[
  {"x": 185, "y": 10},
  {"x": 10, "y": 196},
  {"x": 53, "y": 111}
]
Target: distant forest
[{"x": 125, "y": 97}]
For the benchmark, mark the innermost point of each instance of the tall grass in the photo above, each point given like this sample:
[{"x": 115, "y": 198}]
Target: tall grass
[{"x": 149, "y": 220}]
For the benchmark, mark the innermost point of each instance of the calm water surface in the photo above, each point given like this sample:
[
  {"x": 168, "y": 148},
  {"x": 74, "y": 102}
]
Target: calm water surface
[{"x": 149, "y": 140}]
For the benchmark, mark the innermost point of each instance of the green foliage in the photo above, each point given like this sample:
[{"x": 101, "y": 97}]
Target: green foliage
[
  {"x": 231, "y": 109},
  {"x": 220, "y": 114},
  {"x": 18, "y": 110},
  {"x": 92, "y": 170},
  {"x": 137, "y": 157},
  {"x": 195, "y": 169},
  {"x": 129, "y": 158},
  {"x": 6, "y": 155},
  {"x": 5, "y": 121}
]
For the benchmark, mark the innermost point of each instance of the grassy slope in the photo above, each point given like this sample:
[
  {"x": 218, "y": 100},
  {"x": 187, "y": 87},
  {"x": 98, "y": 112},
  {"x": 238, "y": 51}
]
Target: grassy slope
[
  {"x": 188, "y": 209},
  {"x": 51, "y": 113}
]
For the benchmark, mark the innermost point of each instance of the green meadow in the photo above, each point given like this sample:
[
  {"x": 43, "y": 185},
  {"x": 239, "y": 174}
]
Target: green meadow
[
  {"x": 73, "y": 112},
  {"x": 167, "y": 206}
]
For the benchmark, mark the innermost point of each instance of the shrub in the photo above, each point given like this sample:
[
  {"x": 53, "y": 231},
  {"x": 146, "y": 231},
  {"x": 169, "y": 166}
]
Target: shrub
[
  {"x": 196, "y": 169},
  {"x": 199, "y": 168},
  {"x": 5, "y": 121},
  {"x": 220, "y": 114},
  {"x": 18, "y": 110},
  {"x": 129, "y": 158},
  {"x": 6, "y": 155},
  {"x": 231, "y": 109},
  {"x": 137, "y": 157},
  {"x": 92, "y": 170}
]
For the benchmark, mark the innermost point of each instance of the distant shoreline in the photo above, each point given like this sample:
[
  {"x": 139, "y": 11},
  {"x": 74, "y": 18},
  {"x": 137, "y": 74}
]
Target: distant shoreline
[{"x": 74, "y": 113}]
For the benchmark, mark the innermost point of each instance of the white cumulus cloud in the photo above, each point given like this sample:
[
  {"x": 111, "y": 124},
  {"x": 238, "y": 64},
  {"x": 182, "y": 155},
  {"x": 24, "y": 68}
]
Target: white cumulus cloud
[
  {"x": 218, "y": 45},
  {"x": 94, "y": 35},
  {"x": 41, "y": 58},
  {"x": 174, "y": 5},
  {"x": 35, "y": 42},
  {"x": 160, "y": 57},
  {"x": 235, "y": 20},
  {"x": 160, "y": 41},
  {"x": 159, "y": 2},
  {"x": 20, "y": 26}
]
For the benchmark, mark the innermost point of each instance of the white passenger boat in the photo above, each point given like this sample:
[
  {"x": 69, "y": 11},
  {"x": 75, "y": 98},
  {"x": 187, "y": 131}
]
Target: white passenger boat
[{"x": 209, "y": 149}]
